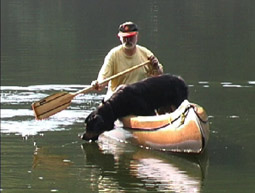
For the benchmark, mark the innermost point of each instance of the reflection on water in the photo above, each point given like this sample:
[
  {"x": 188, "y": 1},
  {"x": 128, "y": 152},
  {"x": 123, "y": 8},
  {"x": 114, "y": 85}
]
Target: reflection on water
[
  {"x": 44, "y": 160},
  {"x": 153, "y": 171},
  {"x": 165, "y": 176}
]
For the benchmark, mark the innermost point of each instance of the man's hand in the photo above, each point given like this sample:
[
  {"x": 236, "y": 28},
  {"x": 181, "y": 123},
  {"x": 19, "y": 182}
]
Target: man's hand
[
  {"x": 154, "y": 62},
  {"x": 157, "y": 68},
  {"x": 96, "y": 85}
]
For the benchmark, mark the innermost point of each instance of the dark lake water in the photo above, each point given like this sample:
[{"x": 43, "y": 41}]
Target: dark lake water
[{"x": 50, "y": 46}]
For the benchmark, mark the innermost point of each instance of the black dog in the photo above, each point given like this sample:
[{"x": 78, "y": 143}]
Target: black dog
[{"x": 141, "y": 98}]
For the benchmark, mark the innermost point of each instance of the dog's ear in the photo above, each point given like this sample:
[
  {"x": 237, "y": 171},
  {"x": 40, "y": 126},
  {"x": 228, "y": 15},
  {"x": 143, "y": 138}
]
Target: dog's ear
[
  {"x": 99, "y": 119},
  {"x": 94, "y": 122},
  {"x": 91, "y": 116}
]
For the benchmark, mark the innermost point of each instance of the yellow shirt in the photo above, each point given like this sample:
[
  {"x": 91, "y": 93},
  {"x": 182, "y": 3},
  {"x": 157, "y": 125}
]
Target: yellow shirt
[{"x": 117, "y": 61}]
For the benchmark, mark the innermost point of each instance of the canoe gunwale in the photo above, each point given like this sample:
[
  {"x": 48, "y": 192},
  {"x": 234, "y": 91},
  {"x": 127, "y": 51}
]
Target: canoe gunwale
[{"x": 182, "y": 115}]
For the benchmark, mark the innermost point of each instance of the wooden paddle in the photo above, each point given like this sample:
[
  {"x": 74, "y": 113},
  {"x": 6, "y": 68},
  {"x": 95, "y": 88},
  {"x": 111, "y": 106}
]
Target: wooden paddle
[{"x": 55, "y": 103}]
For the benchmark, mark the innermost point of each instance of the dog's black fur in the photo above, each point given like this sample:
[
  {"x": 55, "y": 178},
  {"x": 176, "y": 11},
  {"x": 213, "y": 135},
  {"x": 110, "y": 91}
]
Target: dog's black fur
[{"x": 141, "y": 98}]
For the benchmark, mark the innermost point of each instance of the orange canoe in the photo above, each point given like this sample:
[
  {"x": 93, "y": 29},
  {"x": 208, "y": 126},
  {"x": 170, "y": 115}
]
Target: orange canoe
[{"x": 185, "y": 130}]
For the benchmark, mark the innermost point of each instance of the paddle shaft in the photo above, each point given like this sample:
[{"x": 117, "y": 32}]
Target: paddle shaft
[{"x": 90, "y": 88}]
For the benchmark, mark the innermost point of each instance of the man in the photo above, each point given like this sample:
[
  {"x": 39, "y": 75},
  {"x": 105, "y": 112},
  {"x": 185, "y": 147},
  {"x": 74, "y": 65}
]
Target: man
[{"x": 125, "y": 56}]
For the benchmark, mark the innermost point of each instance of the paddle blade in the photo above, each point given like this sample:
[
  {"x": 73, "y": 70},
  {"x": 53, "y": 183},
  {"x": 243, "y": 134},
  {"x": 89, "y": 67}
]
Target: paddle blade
[{"x": 51, "y": 105}]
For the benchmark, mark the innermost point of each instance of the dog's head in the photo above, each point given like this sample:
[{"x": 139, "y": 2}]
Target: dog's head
[{"x": 95, "y": 125}]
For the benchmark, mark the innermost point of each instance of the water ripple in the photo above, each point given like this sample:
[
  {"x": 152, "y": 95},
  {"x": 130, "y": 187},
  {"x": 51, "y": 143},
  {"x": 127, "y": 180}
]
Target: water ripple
[{"x": 17, "y": 115}]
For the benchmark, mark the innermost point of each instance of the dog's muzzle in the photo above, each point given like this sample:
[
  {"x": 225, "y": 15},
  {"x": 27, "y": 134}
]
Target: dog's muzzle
[{"x": 87, "y": 137}]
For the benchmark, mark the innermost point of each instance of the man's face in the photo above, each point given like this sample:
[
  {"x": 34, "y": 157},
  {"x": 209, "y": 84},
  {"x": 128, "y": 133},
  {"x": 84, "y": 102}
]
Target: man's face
[{"x": 129, "y": 42}]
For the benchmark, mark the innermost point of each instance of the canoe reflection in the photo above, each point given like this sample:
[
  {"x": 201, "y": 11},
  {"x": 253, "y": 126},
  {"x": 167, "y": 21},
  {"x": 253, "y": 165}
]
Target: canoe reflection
[
  {"x": 152, "y": 170},
  {"x": 168, "y": 176}
]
